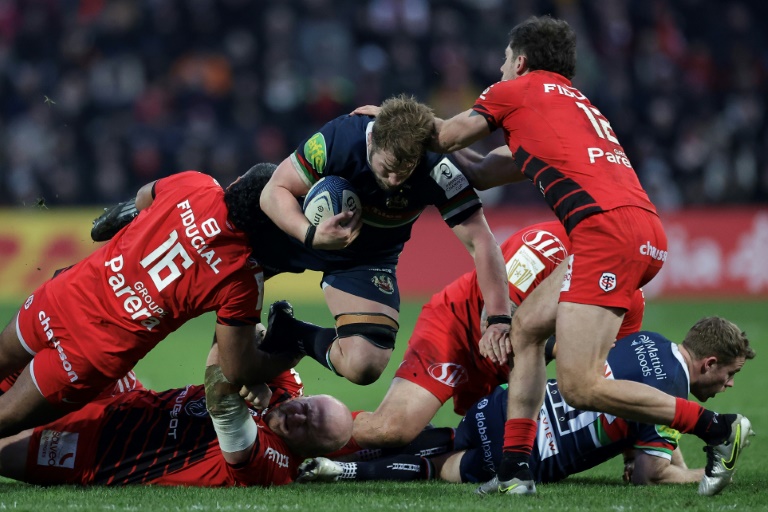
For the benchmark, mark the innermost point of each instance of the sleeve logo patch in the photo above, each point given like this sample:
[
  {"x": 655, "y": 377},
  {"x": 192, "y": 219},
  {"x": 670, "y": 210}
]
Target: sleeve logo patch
[
  {"x": 315, "y": 152},
  {"x": 449, "y": 177},
  {"x": 523, "y": 268},
  {"x": 57, "y": 449}
]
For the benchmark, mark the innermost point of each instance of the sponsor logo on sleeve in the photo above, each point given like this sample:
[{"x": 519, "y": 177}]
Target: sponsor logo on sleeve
[
  {"x": 449, "y": 178},
  {"x": 547, "y": 244},
  {"x": 278, "y": 458},
  {"x": 57, "y": 449},
  {"x": 450, "y": 374},
  {"x": 29, "y": 301},
  {"x": 315, "y": 152},
  {"x": 523, "y": 268}
]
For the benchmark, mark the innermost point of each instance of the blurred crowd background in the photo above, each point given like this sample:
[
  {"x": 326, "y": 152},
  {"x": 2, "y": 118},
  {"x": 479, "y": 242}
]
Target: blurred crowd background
[{"x": 98, "y": 97}]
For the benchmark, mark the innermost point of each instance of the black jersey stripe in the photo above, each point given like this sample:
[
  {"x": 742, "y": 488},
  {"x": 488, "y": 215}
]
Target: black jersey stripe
[{"x": 570, "y": 202}]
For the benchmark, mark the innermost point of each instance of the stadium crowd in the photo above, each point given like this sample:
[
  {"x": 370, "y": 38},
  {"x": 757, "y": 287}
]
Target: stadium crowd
[{"x": 97, "y": 98}]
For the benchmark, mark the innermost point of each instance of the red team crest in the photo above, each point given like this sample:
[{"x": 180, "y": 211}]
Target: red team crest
[{"x": 608, "y": 281}]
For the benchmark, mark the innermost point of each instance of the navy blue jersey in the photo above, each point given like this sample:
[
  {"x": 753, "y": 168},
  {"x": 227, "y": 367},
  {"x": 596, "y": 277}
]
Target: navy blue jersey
[
  {"x": 340, "y": 149},
  {"x": 569, "y": 441}
]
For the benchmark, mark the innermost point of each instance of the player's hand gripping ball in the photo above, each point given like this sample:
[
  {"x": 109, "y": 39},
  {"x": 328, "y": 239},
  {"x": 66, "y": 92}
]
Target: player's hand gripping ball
[{"x": 328, "y": 197}]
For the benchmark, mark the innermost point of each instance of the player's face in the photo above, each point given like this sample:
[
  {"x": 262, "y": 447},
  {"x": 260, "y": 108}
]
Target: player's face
[
  {"x": 297, "y": 420},
  {"x": 388, "y": 172},
  {"x": 716, "y": 379},
  {"x": 508, "y": 68},
  {"x": 513, "y": 65}
]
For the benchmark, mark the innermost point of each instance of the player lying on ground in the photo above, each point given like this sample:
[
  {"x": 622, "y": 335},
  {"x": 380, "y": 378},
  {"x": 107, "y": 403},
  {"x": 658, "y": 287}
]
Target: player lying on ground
[
  {"x": 187, "y": 252},
  {"x": 442, "y": 360},
  {"x": 169, "y": 438},
  {"x": 569, "y": 441}
]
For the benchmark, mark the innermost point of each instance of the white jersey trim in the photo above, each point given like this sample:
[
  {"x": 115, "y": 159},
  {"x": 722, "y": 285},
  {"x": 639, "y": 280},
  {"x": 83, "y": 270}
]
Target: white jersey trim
[{"x": 21, "y": 338}]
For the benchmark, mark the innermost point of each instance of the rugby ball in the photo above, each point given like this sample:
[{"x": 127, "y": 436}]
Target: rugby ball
[{"x": 328, "y": 197}]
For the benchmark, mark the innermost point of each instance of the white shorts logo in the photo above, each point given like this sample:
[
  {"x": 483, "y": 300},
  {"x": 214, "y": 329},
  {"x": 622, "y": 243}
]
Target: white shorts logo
[
  {"x": 57, "y": 449},
  {"x": 568, "y": 274},
  {"x": 608, "y": 281},
  {"x": 450, "y": 374}
]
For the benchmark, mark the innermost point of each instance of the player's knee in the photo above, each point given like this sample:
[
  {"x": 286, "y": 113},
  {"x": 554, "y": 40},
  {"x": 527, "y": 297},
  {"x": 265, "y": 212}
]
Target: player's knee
[
  {"x": 364, "y": 373},
  {"x": 378, "y": 329},
  {"x": 577, "y": 391},
  {"x": 387, "y": 430},
  {"x": 528, "y": 329}
]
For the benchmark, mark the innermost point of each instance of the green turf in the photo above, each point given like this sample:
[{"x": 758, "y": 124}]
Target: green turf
[{"x": 180, "y": 360}]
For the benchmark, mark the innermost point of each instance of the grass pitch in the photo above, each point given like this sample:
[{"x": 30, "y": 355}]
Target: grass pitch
[{"x": 180, "y": 360}]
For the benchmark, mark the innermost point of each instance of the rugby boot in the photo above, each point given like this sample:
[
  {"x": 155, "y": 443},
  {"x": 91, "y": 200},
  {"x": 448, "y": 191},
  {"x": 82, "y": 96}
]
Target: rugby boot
[
  {"x": 280, "y": 336},
  {"x": 721, "y": 458},
  {"x": 521, "y": 484},
  {"x": 319, "y": 469}
]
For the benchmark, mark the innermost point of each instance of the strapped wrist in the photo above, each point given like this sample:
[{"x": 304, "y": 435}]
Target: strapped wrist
[
  {"x": 309, "y": 237},
  {"x": 499, "y": 319}
]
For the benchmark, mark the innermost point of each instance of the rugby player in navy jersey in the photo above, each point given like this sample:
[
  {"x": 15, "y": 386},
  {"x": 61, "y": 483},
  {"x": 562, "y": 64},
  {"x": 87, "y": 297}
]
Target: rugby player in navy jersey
[
  {"x": 569, "y": 441},
  {"x": 386, "y": 161}
]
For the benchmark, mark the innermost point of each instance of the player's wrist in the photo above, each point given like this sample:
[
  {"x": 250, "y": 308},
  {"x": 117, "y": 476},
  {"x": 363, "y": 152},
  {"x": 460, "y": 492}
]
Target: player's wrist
[
  {"x": 499, "y": 319},
  {"x": 309, "y": 236}
]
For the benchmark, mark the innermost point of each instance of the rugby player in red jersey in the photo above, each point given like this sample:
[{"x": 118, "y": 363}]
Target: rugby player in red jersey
[
  {"x": 190, "y": 436},
  {"x": 187, "y": 252},
  {"x": 561, "y": 142},
  {"x": 442, "y": 361}
]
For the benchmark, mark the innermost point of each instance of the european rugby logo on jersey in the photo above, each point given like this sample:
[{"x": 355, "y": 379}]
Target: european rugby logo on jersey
[
  {"x": 57, "y": 449},
  {"x": 315, "y": 152},
  {"x": 449, "y": 177},
  {"x": 523, "y": 268}
]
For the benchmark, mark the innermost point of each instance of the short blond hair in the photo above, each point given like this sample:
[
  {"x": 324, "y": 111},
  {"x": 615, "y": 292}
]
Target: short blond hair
[
  {"x": 404, "y": 127},
  {"x": 718, "y": 337}
]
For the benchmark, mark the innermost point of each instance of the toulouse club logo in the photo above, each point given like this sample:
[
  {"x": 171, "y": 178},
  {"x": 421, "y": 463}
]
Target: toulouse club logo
[{"x": 608, "y": 281}]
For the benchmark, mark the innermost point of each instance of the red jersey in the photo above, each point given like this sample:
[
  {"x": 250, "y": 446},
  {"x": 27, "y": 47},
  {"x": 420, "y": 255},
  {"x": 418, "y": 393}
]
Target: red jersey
[
  {"x": 180, "y": 258},
  {"x": 146, "y": 437},
  {"x": 563, "y": 144}
]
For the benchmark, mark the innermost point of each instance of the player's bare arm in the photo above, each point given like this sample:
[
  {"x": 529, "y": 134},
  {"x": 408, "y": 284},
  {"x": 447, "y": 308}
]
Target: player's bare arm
[
  {"x": 278, "y": 201},
  {"x": 231, "y": 418},
  {"x": 242, "y": 363},
  {"x": 651, "y": 470},
  {"x": 492, "y": 170},
  {"x": 459, "y": 131},
  {"x": 491, "y": 277}
]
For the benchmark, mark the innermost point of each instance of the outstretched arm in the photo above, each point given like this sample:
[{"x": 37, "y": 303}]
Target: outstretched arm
[
  {"x": 491, "y": 277},
  {"x": 651, "y": 470},
  {"x": 496, "y": 168},
  {"x": 459, "y": 131}
]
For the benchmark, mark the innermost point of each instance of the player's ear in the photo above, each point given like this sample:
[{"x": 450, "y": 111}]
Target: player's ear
[
  {"x": 521, "y": 64},
  {"x": 708, "y": 364}
]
